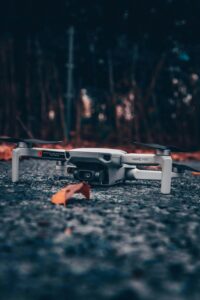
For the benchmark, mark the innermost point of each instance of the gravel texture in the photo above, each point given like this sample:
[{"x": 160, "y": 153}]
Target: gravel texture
[{"x": 127, "y": 242}]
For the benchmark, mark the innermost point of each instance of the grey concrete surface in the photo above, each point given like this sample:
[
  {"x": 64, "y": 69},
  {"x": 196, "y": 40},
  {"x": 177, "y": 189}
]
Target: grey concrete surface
[{"x": 127, "y": 242}]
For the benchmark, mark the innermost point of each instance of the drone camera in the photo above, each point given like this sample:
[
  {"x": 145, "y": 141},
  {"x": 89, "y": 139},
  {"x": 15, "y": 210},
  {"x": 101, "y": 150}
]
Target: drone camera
[
  {"x": 98, "y": 166},
  {"x": 94, "y": 177}
]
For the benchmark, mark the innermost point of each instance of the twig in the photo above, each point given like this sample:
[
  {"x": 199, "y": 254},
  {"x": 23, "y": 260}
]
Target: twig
[{"x": 29, "y": 133}]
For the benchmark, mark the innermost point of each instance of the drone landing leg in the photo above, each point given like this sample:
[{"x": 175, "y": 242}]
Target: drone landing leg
[
  {"x": 166, "y": 174},
  {"x": 16, "y": 154},
  {"x": 15, "y": 165}
]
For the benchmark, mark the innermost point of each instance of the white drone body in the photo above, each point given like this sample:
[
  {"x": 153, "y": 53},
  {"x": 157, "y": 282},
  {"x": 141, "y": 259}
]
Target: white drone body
[{"x": 100, "y": 166}]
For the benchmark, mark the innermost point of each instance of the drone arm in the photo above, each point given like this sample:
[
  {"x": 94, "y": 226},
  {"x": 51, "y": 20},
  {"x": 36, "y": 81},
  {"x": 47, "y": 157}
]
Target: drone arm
[
  {"x": 140, "y": 159},
  {"x": 146, "y": 174},
  {"x": 164, "y": 161},
  {"x": 143, "y": 174}
]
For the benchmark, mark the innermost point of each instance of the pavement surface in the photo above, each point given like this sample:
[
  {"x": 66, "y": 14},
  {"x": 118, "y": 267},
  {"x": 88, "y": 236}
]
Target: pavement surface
[{"x": 127, "y": 242}]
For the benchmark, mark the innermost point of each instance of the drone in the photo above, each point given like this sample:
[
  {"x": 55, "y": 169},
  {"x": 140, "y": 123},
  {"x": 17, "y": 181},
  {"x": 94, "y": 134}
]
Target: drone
[{"x": 104, "y": 166}]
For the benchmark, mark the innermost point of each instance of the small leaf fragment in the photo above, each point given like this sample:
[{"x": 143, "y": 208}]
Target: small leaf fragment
[
  {"x": 62, "y": 196},
  {"x": 196, "y": 173},
  {"x": 5, "y": 152}
]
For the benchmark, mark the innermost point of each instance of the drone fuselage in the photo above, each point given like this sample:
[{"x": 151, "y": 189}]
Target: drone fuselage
[{"x": 102, "y": 166}]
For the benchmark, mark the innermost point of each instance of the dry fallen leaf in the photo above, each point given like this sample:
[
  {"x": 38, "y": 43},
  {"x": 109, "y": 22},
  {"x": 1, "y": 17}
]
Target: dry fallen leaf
[
  {"x": 5, "y": 152},
  {"x": 62, "y": 196},
  {"x": 196, "y": 173}
]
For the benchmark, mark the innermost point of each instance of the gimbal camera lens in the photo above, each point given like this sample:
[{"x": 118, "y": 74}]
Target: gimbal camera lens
[
  {"x": 83, "y": 175},
  {"x": 89, "y": 175}
]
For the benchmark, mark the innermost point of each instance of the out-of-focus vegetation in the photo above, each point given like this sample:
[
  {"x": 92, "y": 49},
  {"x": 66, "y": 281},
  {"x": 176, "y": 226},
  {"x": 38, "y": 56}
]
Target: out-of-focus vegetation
[{"x": 135, "y": 75}]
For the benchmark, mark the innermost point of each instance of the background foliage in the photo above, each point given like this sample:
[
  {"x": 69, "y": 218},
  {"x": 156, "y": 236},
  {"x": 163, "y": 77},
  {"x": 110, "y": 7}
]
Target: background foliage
[{"x": 136, "y": 64}]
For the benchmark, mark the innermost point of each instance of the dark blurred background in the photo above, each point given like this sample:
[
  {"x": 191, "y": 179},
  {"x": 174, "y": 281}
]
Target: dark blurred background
[{"x": 102, "y": 71}]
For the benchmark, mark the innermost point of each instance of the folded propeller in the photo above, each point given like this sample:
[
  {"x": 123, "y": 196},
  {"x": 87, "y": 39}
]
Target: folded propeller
[
  {"x": 26, "y": 141},
  {"x": 158, "y": 147},
  {"x": 179, "y": 166},
  {"x": 162, "y": 147},
  {"x": 185, "y": 167}
]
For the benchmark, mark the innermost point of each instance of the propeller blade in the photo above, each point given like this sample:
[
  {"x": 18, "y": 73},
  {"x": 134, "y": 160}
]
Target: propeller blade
[
  {"x": 37, "y": 141},
  {"x": 27, "y": 141},
  {"x": 162, "y": 148},
  {"x": 186, "y": 166},
  {"x": 151, "y": 146},
  {"x": 10, "y": 140}
]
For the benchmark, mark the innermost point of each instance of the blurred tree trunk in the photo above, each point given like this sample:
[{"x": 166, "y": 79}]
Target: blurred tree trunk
[
  {"x": 78, "y": 120},
  {"x": 196, "y": 137},
  {"x": 28, "y": 94},
  {"x": 40, "y": 74},
  {"x": 5, "y": 88},
  {"x": 112, "y": 104},
  {"x": 148, "y": 94},
  {"x": 60, "y": 102},
  {"x": 13, "y": 89},
  {"x": 69, "y": 89},
  {"x": 134, "y": 59}
]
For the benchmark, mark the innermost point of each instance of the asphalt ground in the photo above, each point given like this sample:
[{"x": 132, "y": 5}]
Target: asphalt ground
[{"x": 126, "y": 242}]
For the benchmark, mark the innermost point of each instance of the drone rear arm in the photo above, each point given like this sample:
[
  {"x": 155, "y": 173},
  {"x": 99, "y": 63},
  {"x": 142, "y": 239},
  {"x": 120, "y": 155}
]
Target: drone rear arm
[
  {"x": 143, "y": 174},
  {"x": 164, "y": 175}
]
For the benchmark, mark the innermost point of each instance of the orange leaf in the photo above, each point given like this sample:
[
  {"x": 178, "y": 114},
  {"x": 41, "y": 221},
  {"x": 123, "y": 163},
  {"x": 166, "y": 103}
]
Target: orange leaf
[
  {"x": 196, "y": 173},
  {"x": 62, "y": 196},
  {"x": 5, "y": 152}
]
